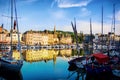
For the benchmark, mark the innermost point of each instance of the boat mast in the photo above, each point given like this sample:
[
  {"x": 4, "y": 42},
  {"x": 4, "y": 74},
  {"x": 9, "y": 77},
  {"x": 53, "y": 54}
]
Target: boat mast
[
  {"x": 102, "y": 29},
  {"x": 11, "y": 25},
  {"x": 114, "y": 23},
  {"x": 76, "y": 33},
  {"x": 18, "y": 33},
  {"x": 91, "y": 33},
  {"x": 76, "y": 36},
  {"x": 19, "y": 45}
]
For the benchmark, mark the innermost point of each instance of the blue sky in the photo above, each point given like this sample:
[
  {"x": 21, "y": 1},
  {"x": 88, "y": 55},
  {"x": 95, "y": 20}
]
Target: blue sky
[{"x": 45, "y": 14}]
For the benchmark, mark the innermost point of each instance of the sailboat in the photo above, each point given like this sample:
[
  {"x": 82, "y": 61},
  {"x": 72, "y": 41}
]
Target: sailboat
[
  {"x": 114, "y": 54},
  {"x": 91, "y": 39},
  {"x": 8, "y": 61},
  {"x": 101, "y": 63},
  {"x": 112, "y": 43},
  {"x": 80, "y": 60}
]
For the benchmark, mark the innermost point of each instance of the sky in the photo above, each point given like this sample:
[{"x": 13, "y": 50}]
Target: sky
[{"x": 45, "y": 14}]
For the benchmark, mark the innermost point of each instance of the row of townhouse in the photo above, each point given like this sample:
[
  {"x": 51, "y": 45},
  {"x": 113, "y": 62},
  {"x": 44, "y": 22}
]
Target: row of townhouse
[
  {"x": 34, "y": 37},
  {"x": 5, "y": 36},
  {"x": 105, "y": 38}
]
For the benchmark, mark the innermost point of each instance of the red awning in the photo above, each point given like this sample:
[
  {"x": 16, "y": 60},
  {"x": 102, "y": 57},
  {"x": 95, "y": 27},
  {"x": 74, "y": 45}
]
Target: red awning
[{"x": 101, "y": 58}]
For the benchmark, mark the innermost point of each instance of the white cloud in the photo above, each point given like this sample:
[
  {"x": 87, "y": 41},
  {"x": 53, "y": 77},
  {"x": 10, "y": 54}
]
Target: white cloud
[
  {"x": 70, "y": 3},
  {"x": 84, "y": 12},
  {"x": 96, "y": 27},
  {"x": 58, "y": 14},
  {"x": 84, "y": 26},
  {"x": 117, "y": 29},
  {"x": 118, "y": 15},
  {"x": 65, "y": 28}
]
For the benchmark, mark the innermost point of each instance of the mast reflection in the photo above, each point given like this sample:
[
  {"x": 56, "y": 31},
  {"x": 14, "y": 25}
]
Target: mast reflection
[{"x": 80, "y": 73}]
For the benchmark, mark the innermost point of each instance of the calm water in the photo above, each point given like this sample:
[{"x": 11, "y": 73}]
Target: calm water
[
  {"x": 46, "y": 70},
  {"x": 44, "y": 65}
]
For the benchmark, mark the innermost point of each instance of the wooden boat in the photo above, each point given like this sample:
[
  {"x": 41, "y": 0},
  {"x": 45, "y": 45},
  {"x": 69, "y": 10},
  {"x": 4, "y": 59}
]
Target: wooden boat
[
  {"x": 115, "y": 64},
  {"x": 11, "y": 64},
  {"x": 114, "y": 52},
  {"x": 103, "y": 66},
  {"x": 100, "y": 61},
  {"x": 99, "y": 66},
  {"x": 79, "y": 62}
]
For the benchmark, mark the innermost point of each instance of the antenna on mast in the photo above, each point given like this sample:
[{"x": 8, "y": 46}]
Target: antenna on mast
[
  {"x": 91, "y": 33},
  {"x": 102, "y": 29},
  {"x": 114, "y": 18},
  {"x": 114, "y": 23}
]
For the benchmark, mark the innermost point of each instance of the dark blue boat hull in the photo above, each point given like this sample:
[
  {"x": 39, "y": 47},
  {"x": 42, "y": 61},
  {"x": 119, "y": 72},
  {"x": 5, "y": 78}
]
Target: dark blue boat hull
[{"x": 12, "y": 67}]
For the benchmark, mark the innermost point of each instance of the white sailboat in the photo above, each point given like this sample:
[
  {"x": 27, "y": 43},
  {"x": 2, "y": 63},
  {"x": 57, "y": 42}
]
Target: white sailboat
[{"x": 8, "y": 61}]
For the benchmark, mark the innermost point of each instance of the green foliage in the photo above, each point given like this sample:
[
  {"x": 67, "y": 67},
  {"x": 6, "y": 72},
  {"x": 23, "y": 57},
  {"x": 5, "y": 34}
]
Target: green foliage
[{"x": 65, "y": 33}]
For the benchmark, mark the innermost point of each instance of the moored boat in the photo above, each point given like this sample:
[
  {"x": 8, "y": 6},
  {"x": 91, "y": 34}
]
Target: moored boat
[
  {"x": 11, "y": 64},
  {"x": 99, "y": 66},
  {"x": 8, "y": 61},
  {"x": 79, "y": 62}
]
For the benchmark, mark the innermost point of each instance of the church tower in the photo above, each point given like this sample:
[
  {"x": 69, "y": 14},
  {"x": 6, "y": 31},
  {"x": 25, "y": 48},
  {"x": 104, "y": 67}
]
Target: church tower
[{"x": 54, "y": 29}]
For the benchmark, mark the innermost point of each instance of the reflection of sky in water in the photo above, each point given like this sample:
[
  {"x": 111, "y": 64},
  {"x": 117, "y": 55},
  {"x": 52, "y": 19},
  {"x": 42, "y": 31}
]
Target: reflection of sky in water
[{"x": 45, "y": 71}]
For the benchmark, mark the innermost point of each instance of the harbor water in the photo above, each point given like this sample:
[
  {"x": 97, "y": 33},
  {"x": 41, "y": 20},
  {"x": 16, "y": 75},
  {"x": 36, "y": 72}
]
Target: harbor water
[
  {"x": 43, "y": 65},
  {"x": 46, "y": 64}
]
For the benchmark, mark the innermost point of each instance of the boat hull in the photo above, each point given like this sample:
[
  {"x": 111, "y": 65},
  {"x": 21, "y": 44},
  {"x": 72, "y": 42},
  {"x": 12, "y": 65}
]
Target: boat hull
[
  {"x": 12, "y": 67},
  {"x": 6, "y": 74},
  {"x": 77, "y": 62}
]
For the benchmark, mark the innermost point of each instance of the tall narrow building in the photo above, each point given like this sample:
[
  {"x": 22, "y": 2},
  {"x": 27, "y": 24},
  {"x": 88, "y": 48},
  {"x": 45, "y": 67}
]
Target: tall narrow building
[{"x": 54, "y": 29}]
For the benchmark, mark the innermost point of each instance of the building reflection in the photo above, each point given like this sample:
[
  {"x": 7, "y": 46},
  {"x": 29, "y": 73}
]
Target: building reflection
[
  {"x": 45, "y": 55},
  {"x": 66, "y": 52},
  {"x": 16, "y": 55},
  {"x": 40, "y": 55}
]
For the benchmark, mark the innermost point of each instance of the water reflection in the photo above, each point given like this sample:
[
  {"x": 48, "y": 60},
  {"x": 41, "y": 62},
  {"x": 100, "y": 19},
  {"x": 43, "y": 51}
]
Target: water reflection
[
  {"x": 16, "y": 55},
  {"x": 38, "y": 62},
  {"x": 80, "y": 73},
  {"x": 6, "y": 74},
  {"x": 39, "y": 55},
  {"x": 45, "y": 55},
  {"x": 66, "y": 52}
]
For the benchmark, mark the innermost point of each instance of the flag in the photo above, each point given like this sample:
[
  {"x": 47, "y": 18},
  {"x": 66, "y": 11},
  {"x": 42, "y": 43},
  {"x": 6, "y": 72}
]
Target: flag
[{"x": 14, "y": 24}]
